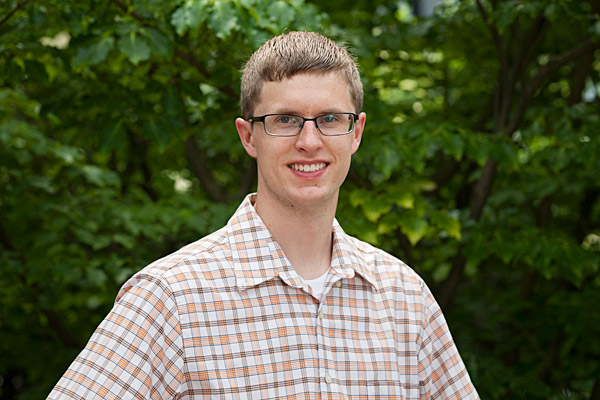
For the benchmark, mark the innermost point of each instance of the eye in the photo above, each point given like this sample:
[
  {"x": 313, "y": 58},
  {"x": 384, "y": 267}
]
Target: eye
[
  {"x": 329, "y": 118},
  {"x": 286, "y": 119}
]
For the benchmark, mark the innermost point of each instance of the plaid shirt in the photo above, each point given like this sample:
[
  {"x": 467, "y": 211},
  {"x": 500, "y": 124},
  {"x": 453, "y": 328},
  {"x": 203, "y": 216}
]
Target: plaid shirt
[{"x": 228, "y": 317}]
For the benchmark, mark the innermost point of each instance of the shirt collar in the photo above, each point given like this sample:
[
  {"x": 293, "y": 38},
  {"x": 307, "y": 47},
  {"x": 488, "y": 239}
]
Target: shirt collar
[
  {"x": 257, "y": 257},
  {"x": 347, "y": 259}
]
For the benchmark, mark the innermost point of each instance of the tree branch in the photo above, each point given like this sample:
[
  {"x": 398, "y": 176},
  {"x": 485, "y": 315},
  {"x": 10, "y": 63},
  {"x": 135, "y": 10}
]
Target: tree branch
[
  {"x": 247, "y": 181},
  {"x": 542, "y": 73},
  {"x": 451, "y": 283},
  {"x": 13, "y": 11},
  {"x": 481, "y": 191},
  {"x": 504, "y": 92},
  {"x": 500, "y": 49},
  {"x": 549, "y": 362},
  {"x": 407, "y": 248},
  {"x": 527, "y": 49},
  {"x": 596, "y": 391},
  {"x": 198, "y": 162},
  {"x": 479, "y": 196},
  {"x": 505, "y": 87},
  {"x": 191, "y": 59},
  {"x": 482, "y": 188},
  {"x": 586, "y": 206},
  {"x": 582, "y": 71},
  {"x": 123, "y": 6},
  {"x": 444, "y": 173},
  {"x": 5, "y": 239},
  {"x": 544, "y": 214},
  {"x": 59, "y": 327},
  {"x": 188, "y": 57},
  {"x": 140, "y": 149}
]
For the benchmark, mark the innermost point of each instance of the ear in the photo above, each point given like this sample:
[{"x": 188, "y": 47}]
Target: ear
[
  {"x": 359, "y": 127},
  {"x": 244, "y": 129}
]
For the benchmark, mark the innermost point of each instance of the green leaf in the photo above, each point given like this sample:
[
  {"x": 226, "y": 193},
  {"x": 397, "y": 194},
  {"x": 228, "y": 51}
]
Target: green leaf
[
  {"x": 405, "y": 199},
  {"x": 68, "y": 154},
  {"x": 38, "y": 16},
  {"x": 550, "y": 11},
  {"x": 404, "y": 12},
  {"x": 159, "y": 42},
  {"x": 111, "y": 136},
  {"x": 96, "y": 276},
  {"x": 505, "y": 154},
  {"x": 190, "y": 16},
  {"x": 387, "y": 160},
  {"x": 477, "y": 149},
  {"x": 172, "y": 101},
  {"x": 134, "y": 47},
  {"x": 375, "y": 208},
  {"x": 248, "y": 4},
  {"x": 282, "y": 13},
  {"x": 448, "y": 223},
  {"x": 94, "y": 53},
  {"x": 223, "y": 19},
  {"x": 99, "y": 176},
  {"x": 425, "y": 185},
  {"x": 452, "y": 144},
  {"x": 149, "y": 6},
  {"x": 595, "y": 29},
  {"x": 477, "y": 249},
  {"x": 359, "y": 196},
  {"x": 441, "y": 271},
  {"x": 414, "y": 228},
  {"x": 160, "y": 129}
]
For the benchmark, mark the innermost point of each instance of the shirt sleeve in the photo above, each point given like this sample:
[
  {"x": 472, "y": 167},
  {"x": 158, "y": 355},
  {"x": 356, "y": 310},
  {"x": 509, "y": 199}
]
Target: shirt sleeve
[
  {"x": 135, "y": 353},
  {"x": 443, "y": 374}
]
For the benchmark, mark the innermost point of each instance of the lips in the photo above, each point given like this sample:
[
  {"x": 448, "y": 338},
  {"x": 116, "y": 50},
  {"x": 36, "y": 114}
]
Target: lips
[{"x": 308, "y": 167}]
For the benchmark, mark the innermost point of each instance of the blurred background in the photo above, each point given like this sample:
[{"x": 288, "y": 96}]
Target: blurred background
[{"x": 479, "y": 166}]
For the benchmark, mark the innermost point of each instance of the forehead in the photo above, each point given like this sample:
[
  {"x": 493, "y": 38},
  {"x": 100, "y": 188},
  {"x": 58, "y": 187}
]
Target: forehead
[{"x": 306, "y": 92}]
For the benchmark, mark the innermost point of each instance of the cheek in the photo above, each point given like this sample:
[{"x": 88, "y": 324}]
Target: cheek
[
  {"x": 267, "y": 153},
  {"x": 355, "y": 145},
  {"x": 345, "y": 157},
  {"x": 346, "y": 149}
]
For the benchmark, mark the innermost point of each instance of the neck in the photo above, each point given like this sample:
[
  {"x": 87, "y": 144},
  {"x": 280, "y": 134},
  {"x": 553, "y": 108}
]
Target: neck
[{"x": 303, "y": 233}]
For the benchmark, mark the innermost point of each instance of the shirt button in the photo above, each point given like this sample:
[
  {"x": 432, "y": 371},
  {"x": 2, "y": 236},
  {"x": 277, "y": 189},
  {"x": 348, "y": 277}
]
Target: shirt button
[
  {"x": 327, "y": 379},
  {"x": 321, "y": 315},
  {"x": 338, "y": 284}
]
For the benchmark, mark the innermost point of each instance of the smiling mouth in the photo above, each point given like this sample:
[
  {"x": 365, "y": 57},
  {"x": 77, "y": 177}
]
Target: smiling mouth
[{"x": 308, "y": 167}]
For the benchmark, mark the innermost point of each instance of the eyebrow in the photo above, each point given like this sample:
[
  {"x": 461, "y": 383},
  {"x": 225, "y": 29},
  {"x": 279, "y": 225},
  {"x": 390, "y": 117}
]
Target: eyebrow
[{"x": 292, "y": 112}]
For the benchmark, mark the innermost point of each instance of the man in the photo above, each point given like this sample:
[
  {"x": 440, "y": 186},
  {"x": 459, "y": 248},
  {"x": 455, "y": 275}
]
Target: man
[{"x": 280, "y": 303}]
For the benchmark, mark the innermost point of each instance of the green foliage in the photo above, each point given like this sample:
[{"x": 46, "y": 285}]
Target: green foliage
[{"x": 478, "y": 166}]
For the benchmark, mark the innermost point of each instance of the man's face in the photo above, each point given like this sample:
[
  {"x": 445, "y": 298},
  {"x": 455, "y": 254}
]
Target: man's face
[{"x": 282, "y": 160}]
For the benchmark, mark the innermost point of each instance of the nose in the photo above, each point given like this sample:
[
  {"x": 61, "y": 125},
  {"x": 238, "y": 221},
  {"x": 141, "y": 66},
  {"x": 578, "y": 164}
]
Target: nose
[{"x": 309, "y": 139}]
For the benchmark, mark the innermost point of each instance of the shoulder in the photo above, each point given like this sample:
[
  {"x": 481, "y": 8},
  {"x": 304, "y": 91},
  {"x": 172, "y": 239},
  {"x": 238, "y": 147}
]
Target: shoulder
[
  {"x": 388, "y": 271},
  {"x": 205, "y": 262}
]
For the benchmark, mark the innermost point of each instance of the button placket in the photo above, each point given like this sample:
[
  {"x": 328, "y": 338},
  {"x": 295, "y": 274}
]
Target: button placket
[{"x": 322, "y": 324}]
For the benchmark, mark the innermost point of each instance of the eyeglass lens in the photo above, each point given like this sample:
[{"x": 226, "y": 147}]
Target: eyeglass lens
[{"x": 291, "y": 125}]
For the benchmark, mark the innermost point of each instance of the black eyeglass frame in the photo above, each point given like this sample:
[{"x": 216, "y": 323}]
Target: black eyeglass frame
[{"x": 252, "y": 120}]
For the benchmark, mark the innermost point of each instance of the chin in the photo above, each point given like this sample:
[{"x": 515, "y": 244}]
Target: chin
[{"x": 314, "y": 196}]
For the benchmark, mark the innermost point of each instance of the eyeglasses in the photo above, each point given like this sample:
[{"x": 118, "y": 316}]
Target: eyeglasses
[{"x": 332, "y": 124}]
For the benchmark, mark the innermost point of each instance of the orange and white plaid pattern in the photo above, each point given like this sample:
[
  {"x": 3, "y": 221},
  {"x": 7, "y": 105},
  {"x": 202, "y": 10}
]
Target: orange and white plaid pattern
[{"x": 228, "y": 317}]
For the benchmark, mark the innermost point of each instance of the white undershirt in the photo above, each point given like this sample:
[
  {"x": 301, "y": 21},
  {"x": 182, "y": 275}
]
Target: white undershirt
[{"x": 318, "y": 284}]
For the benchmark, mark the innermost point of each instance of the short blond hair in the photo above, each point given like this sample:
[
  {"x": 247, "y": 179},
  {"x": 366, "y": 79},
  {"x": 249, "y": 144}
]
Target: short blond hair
[{"x": 294, "y": 53}]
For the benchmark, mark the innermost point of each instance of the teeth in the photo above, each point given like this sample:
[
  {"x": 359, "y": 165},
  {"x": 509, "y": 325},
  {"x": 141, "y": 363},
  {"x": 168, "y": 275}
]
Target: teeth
[{"x": 308, "y": 167}]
